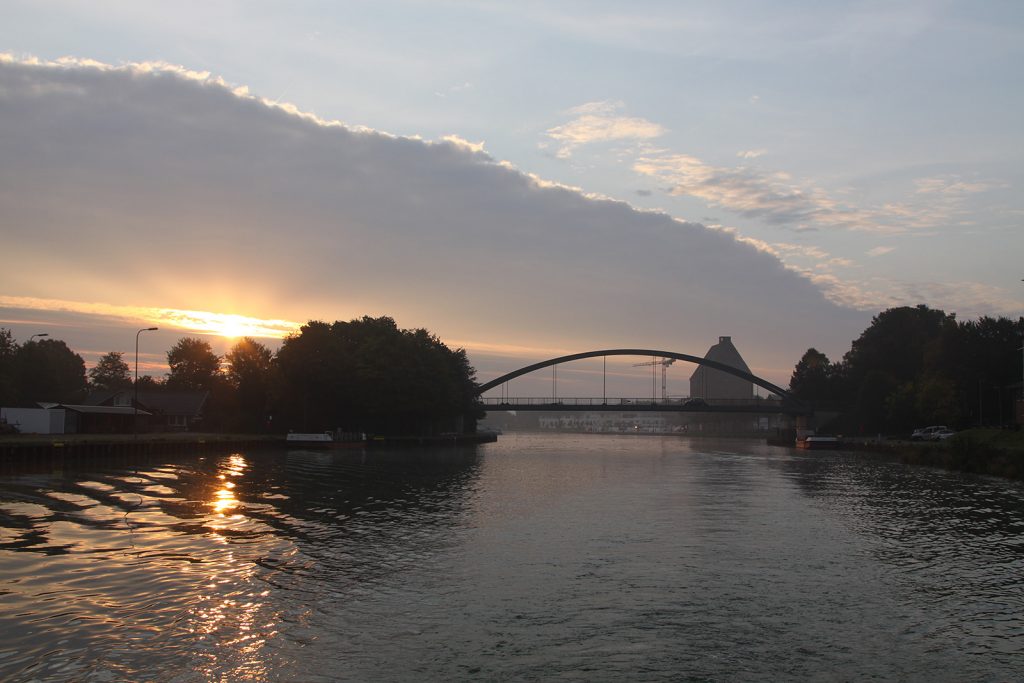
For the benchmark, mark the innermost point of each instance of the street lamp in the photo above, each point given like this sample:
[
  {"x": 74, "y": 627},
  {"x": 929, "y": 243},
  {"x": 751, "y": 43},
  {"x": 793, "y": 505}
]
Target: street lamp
[
  {"x": 135, "y": 397},
  {"x": 41, "y": 334}
]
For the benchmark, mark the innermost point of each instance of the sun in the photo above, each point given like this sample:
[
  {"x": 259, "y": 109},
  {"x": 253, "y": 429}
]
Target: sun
[
  {"x": 227, "y": 325},
  {"x": 234, "y": 326}
]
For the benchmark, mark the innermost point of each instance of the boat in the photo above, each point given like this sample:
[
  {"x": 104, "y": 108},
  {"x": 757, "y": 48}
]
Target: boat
[
  {"x": 322, "y": 440},
  {"x": 814, "y": 443}
]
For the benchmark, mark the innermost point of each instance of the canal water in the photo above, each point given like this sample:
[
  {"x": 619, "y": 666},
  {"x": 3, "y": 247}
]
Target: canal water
[{"x": 540, "y": 557}]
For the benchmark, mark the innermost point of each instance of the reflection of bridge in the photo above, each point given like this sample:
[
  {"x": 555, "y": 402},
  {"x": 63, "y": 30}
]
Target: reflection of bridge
[{"x": 783, "y": 402}]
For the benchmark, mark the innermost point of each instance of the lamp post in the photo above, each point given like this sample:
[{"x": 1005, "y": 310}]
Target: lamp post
[
  {"x": 41, "y": 334},
  {"x": 135, "y": 395},
  {"x": 1020, "y": 404}
]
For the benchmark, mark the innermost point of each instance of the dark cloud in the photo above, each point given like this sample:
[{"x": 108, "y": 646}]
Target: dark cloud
[{"x": 151, "y": 188}]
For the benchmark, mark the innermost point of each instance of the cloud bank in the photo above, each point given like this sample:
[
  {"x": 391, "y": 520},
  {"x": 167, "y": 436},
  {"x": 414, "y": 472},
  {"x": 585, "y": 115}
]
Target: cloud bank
[{"x": 153, "y": 186}]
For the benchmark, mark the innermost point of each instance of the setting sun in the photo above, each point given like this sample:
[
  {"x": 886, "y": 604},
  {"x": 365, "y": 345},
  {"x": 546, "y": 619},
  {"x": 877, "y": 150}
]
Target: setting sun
[
  {"x": 236, "y": 326},
  {"x": 228, "y": 325}
]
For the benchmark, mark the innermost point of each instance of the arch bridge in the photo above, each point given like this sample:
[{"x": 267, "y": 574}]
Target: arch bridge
[{"x": 785, "y": 403}]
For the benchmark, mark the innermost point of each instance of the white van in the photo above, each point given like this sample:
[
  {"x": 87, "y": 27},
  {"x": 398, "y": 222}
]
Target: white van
[{"x": 931, "y": 433}]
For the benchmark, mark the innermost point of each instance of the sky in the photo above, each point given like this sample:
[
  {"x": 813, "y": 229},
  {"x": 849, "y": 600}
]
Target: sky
[{"x": 524, "y": 179}]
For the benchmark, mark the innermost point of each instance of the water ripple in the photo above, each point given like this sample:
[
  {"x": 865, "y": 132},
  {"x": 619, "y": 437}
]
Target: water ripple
[{"x": 537, "y": 558}]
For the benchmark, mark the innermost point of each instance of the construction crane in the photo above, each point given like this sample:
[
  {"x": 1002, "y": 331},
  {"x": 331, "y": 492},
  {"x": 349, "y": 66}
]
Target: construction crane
[{"x": 664, "y": 363}]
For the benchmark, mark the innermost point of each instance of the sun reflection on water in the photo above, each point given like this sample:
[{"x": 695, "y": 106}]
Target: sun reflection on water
[
  {"x": 224, "y": 498},
  {"x": 230, "y": 614}
]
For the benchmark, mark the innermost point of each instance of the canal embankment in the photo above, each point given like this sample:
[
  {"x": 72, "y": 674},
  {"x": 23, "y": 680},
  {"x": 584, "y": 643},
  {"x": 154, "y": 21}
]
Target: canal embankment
[
  {"x": 979, "y": 451},
  {"x": 18, "y": 450},
  {"x": 24, "y": 449},
  {"x": 996, "y": 452}
]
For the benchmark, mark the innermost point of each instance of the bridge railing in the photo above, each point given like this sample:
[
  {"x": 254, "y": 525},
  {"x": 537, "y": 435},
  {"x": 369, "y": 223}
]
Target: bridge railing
[{"x": 626, "y": 403}]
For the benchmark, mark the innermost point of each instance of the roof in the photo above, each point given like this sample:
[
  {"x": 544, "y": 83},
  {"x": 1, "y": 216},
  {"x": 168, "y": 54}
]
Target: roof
[
  {"x": 174, "y": 402},
  {"x": 97, "y": 397},
  {"x": 167, "y": 402},
  {"x": 104, "y": 410},
  {"x": 725, "y": 353}
]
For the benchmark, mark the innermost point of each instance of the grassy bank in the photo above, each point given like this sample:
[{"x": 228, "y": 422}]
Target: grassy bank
[{"x": 997, "y": 452}]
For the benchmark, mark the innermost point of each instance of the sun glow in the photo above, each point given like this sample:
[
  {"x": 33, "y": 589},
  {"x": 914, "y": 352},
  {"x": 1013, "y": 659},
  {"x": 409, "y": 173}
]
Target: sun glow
[
  {"x": 231, "y": 326},
  {"x": 228, "y": 325}
]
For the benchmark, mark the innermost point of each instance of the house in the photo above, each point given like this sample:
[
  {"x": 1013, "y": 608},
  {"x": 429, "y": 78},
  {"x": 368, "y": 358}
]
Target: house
[
  {"x": 171, "y": 411},
  {"x": 65, "y": 418}
]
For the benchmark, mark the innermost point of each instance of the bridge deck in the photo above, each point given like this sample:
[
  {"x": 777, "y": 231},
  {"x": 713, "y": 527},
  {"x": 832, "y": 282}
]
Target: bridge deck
[{"x": 620, "y": 405}]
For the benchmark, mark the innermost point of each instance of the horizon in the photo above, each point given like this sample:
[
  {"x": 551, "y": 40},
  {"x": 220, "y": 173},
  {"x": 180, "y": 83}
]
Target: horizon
[{"x": 620, "y": 371}]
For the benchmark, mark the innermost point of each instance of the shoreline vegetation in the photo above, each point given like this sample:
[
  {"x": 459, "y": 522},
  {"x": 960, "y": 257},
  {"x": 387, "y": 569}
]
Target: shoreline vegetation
[
  {"x": 995, "y": 452},
  {"x": 365, "y": 375}
]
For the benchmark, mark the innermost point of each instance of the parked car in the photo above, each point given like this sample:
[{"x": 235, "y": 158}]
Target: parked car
[
  {"x": 943, "y": 434},
  {"x": 931, "y": 433}
]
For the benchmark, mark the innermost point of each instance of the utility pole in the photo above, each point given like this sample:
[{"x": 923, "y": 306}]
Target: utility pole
[{"x": 135, "y": 393}]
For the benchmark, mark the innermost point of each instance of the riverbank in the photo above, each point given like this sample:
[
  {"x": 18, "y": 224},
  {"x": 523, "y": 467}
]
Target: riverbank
[
  {"x": 16, "y": 448},
  {"x": 26, "y": 449},
  {"x": 979, "y": 451},
  {"x": 997, "y": 452}
]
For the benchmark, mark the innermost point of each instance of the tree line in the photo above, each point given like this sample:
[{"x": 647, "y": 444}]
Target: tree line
[
  {"x": 917, "y": 366},
  {"x": 362, "y": 375}
]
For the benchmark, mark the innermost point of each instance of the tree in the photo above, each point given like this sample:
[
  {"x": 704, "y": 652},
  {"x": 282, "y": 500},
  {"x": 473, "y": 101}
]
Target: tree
[
  {"x": 48, "y": 370},
  {"x": 193, "y": 365},
  {"x": 916, "y": 365},
  {"x": 898, "y": 343},
  {"x": 936, "y": 401},
  {"x": 882, "y": 372},
  {"x": 249, "y": 371},
  {"x": 369, "y": 375},
  {"x": 813, "y": 378},
  {"x": 248, "y": 361},
  {"x": 110, "y": 372},
  {"x": 987, "y": 365},
  {"x": 8, "y": 354},
  {"x": 148, "y": 383}
]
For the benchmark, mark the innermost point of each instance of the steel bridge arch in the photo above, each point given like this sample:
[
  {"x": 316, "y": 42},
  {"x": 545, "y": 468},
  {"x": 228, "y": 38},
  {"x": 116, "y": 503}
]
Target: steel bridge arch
[{"x": 763, "y": 383}]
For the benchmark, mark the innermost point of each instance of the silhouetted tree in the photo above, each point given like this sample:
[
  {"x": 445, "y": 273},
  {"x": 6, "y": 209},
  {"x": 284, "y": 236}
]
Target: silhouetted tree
[
  {"x": 148, "y": 383},
  {"x": 813, "y": 379},
  {"x": 936, "y": 402},
  {"x": 883, "y": 370},
  {"x": 193, "y": 365},
  {"x": 110, "y": 372},
  {"x": 916, "y": 365},
  {"x": 47, "y": 370},
  {"x": 897, "y": 343},
  {"x": 987, "y": 366},
  {"x": 315, "y": 372},
  {"x": 249, "y": 371},
  {"x": 8, "y": 381},
  {"x": 369, "y": 375}
]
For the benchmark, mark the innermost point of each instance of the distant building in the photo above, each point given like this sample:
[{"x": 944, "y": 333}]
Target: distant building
[
  {"x": 64, "y": 418},
  {"x": 172, "y": 411},
  {"x": 709, "y": 383}
]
